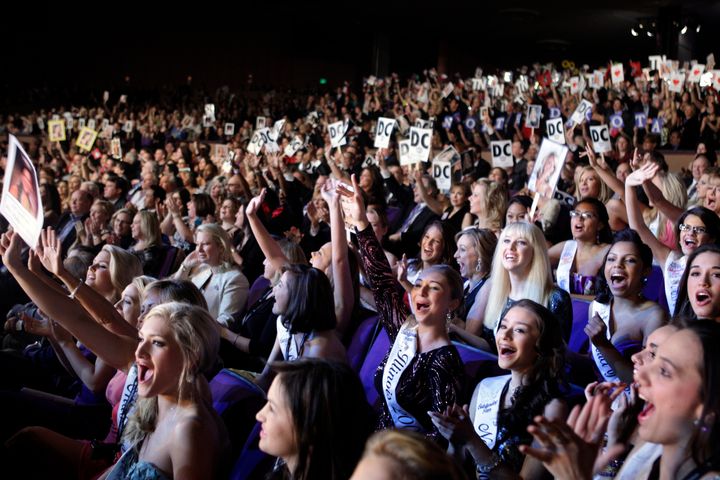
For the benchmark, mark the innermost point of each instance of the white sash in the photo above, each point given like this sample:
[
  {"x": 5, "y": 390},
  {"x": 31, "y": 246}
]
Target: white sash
[
  {"x": 402, "y": 353},
  {"x": 566, "y": 260},
  {"x": 487, "y": 407},
  {"x": 673, "y": 271},
  {"x": 639, "y": 463},
  {"x": 127, "y": 403},
  {"x": 606, "y": 370}
]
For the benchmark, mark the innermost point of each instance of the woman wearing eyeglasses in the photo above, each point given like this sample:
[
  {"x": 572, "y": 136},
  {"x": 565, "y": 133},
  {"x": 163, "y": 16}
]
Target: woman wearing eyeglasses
[
  {"x": 695, "y": 227},
  {"x": 577, "y": 261}
]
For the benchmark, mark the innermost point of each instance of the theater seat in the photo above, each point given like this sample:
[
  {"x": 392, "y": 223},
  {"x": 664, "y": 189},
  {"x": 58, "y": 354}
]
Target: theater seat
[
  {"x": 375, "y": 355},
  {"x": 654, "y": 289},
  {"x": 478, "y": 363},
  {"x": 256, "y": 289},
  {"x": 252, "y": 463},
  {"x": 361, "y": 341},
  {"x": 578, "y": 338}
]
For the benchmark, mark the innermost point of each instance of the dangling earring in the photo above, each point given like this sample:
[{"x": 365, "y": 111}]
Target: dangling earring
[
  {"x": 448, "y": 320},
  {"x": 478, "y": 267}
]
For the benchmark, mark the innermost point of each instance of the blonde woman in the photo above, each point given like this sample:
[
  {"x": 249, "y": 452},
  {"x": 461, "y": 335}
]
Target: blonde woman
[
  {"x": 521, "y": 270},
  {"x": 145, "y": 230},
  {"x": 488, "y": 203}
]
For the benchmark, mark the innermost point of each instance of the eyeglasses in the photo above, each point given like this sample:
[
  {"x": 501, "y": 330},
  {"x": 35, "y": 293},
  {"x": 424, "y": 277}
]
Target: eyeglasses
[
  {"x": 690, "y": 228},
  {"x": 583, "y": 215}
]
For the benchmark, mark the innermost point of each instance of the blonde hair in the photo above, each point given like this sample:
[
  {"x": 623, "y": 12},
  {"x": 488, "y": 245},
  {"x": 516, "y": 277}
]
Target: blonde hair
[
  {"x": 106, "y": 207},
  {"x": 674, "y": 192},
  {"x": 150, "y": 228},
  {"x": 198, "y": 337},
  {"x": 413, "y": 456},
  {"x": 538, "y": 284},
  {"x": 495, "y": 202},
  {"x": 222, "y": 239},
  {"x": 123, "y": 267},
  {"x": 140, "y": 283},
  {"x": 605, "y": 192}
]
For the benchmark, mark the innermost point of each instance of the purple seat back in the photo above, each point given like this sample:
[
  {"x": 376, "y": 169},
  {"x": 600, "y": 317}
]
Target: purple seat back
[
  {"x": 374, "y": 357},
  {"x": 228, "y": 388},
  {"x": 478, "y": 364},
  {"x": 654, "y": 289},
  {"x": 252, "y": 463},
  {"x": 257, "y": 289},
  {"x": 578, "y": 338},
  {"x": 393, "y": 215},
  {"x": 360, "y": 342}
]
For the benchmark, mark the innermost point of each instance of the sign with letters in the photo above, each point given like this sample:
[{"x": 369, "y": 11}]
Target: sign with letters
[
  {"x": 295, "y": 144},
  {"x": 616, "y": 121},
  {"x": 337, "y": 133},
  {"x": 555, "y": 130},
  {"x": 256, "y": 143},
  {"x": 501, "y": 153},
  {"x": 640, "y": 120},
  {"x": 404, "y": 152},
  {"x": 600, "y": 135},
  {"x": 580, "y": 113},
  {"x": 276, "y": 129},
  {"x": 420, "y": 142},
  {"x": 442, "y": 174},
  {"x": 657, "y": 125},
  {"x": 383, "y": 131}
]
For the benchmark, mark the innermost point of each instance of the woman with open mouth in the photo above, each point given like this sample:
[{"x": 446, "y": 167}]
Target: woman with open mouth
[
  {"x": 423, "y": 371},
  {"x": 521, "y": 269},
  {"x": 492, "y": 428},
  {"x": 699, "y": 291},
  {"x": 620, "y": 318},
  {"x": 578, "y": 260},
  {"x": 694, "y": 227},
  {"x": 679, "y": 385}
]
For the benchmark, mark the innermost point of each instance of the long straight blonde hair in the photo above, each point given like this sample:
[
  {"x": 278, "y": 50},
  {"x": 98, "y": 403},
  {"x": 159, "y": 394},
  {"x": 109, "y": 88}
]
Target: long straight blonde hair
[{"x": 538, "y": 284}]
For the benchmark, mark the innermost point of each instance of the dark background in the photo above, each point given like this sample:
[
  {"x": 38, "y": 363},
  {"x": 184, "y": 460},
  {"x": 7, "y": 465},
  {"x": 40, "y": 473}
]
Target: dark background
[{"x": 131, "y": 45}]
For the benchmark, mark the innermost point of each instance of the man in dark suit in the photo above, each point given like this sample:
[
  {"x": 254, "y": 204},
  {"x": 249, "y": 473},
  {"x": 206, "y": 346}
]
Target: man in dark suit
[
  {"x": 80, "y": 203},
  {"x": 406, "y": 240}
]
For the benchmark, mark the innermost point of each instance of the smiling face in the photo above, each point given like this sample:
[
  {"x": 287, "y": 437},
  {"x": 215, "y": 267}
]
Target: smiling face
[
  {"x": 98, "y": 215},
  {"x": 647, "y": 354},
  {"x": 431, "y": 246},
  {"x": 671, "y": 386},
  {"x": 589, "y": 184},
  {"x": 689, "y": 239},
  {"x": 624, "y": 270},
  {"x": 98, "y": 275},
  {"x": 466, "y": 257},
  {"x": 129, "y": 304},
  {"x": 516, "y": 212},
  {"x": 517, "y": 334},
  {"x": 711, "y": 195},
  {"x": 136, "y": 228},
  {"x": 277, "y": 436},
  {"x": 585, "y": 229},
  {"x": 703, "y": 285},
  {"x": 322, "y": 258},
  {"x": 430, "y": 297},
  {"x": 281, "y": 292},
  {"x": 517, "y": 253},
  {"x": 207, "y": 248},
  {"x": 228, "y": 211},
  {"x": 158, "y": 357},
  {"x": 477, "y": 199}
]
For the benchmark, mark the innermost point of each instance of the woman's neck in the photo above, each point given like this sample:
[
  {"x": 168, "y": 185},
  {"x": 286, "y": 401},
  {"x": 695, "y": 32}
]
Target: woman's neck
[
  {"x": 140, "y": 244},
  {"x": 227, "y": 225},
  {"x": 517, "y": 283},
  {"x": 167, "y": 405},
  {"x": 517, "y": 379},
  {"x": 291, "y": 464},
  {"x": 630, "y": 301},
  {"x": 431, "y": 335},
  {"x": 477, "y": 276},
  {"x": 675, "y": 462},
  {"x": 585, "y": 243}
]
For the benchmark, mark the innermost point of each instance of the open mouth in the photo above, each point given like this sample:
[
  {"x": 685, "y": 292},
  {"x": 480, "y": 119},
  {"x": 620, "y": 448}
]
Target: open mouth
[
  {"x": 702, "y": 298},
  {"x": 618, "y": 280},
  {"x": 145, "y": 373},
  {"x": 506, "y": 351},
  {"x": 422, "y": 306},
  {"x": 646, "y": 412}
]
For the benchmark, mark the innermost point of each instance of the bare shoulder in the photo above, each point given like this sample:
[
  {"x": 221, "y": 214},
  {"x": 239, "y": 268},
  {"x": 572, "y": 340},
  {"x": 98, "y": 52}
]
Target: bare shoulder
[{"x": 326, "y": 345}]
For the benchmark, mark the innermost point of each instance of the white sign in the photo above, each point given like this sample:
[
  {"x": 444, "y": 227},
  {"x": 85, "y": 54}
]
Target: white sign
[
  {"x": 574, "y": 85},
  {"x": 294, "y": 145},
  {"x": 404, "y": 152},
  {"x": 422, "y": 123},
  {"x": 448, "y": 90},
  {"x": 442, "y": 175},
  {"x": 555, "y": 130},
  {"x": 81, "y": 123},
  {"x": 532, "y": 119},
  {"x": 229, "y": 129},
  {"x": 276, "y": 129},
  {"x": 600, "y": 135},
  {"x": 256, "y": 143},
  {"x": 91, "y": 123},
  {"x": 128, "y": 127},
  {"x": 21, "y": 203},
  {"x": 656, "y": 61},
  {"x": 596, "y": 79},
  {"x": 716, "y": 80},
  {"x": 478, "y": 84},
  {"x": 695, "y": 73},
  {"x": 259, "y": 123},
  {"x": 420, "y": 142},
  {"x": 547, "y": 169},
  {"x": 580, "y": 113},
  {"x": 676, "y": 82},
  {"x": 210, "y": 111},
  {"x": 383, "y": 131},
  {"x": 617, "y": 74},
  {"x": 337, "y": 133},
  {"x": 501, "y": 153}
]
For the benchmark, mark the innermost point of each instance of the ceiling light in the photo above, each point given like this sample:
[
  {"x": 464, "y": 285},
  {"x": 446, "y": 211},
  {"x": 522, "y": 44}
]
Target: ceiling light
[
  {"x": 684, "y": 30},
  {"x": 649, "y": 33},
  {"x": 697, "y": 30},
  {"x": 633, "y": 32}
]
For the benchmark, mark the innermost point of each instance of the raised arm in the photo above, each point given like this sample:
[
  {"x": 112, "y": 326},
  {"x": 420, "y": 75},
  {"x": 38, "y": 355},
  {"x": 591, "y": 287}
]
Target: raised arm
[
  {"x": 387, "y": 293},
  {"x": 118, "y": 351},
  {"x": 603, "y": 170},
  {"x": 635, "y": 218},
  {"x": 269, "y": 247},
  {"x": 432, "y": 202},
  {"x": 342, "y": 281},
  {"x": 655, "y": 195}
]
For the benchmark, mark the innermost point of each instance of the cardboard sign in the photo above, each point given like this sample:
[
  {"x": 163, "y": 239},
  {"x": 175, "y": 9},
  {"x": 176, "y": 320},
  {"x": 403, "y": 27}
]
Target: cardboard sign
[
  {"x": 404, "y": 152},
  {"x": 695, "y": 73},
  {"x": 221, "y": 152},
  {"x": 229, "y": 129},
  {"x": 260, "y": 123},
  {"x": 600, "y": 136},
  {"x": 710, "y": 61},
  {"x": 447, "y": 122},
  {"x": 706, "y": 79},
  {"x": 448, "y": 90},
  {"x": 56, "y": 130},
  {"x": 500, "y": 123},
  {"x": 657, "y": 125},
  {"x": 207, "y": 122},
  {"x": 337, "y": 132},
  {"x": 295, "y": 144},
  {"x": 69, "y": 123},
  {"x": 21, "y": 203},
  {"x": 105, "y": 122},
  {"x": 256, "y": 143},
  {"x": 107, "y": 132},
  {"x": 383, "y": 131},
  {"x": 532, "y": 118},
  {"x": 554, "y": 112},
  {"x": 41, "y": 123},
  {"x": 547, "y": 169},
  {"x": 442, "y": 173},
  {"x": 420, "y": 143},
  {"x": 580, "y": 113},
  {"x": 617, "y": 74},
  {"x": 115, "y": 148},
  {"x": 574, "y": 85},
  {"x": 640, "y": 120},
  {"x": 655, "y": 61},
  {"x": 676, "y": 82},
  {"x": 128, "y": 127},
  {"x": 422, "y": 123},
  {"x": 448, "y": 154},
  {"x": 276, "y": 129},
  {"x": 522, "y": 84},
  {"x": 596, "y": 80},
  {"x": 555, "y": 130},
  {"x": 81, "y": 123},
  {"x": 616, "y": 121},
  {"x": 470, "y": 123},
  {"x": 501, "y": 152},
  {"x": 91, "y": 123},
  {"x": 210, "y": 111},
  {"x": 86, "y": 139},
  {"x": 716, "y": 80},
  {"x": 478, "y": 84}
]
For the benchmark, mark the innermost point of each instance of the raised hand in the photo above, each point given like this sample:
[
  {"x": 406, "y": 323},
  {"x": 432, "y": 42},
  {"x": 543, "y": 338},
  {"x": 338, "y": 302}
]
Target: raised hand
[
  {"x": 596, "y": 330},
  {"x": 172, "y": 207},
  {"x": 643, "y": 174},
  {"x": 454, "y": 424},
  {"x": 329, "y": 192},
  {"x": 51, "y": 254},
  {"x": 254, "y": 204},
  {"x": 10, "y": 249},
  {"x": 402, "y": 268},
  {"x": 37, "y": 326},
  {"x": 353, "y": 202}
]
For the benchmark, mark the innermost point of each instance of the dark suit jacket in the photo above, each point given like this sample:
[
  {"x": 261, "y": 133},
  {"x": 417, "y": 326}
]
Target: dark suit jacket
[{"x": 409, "y": 241}]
